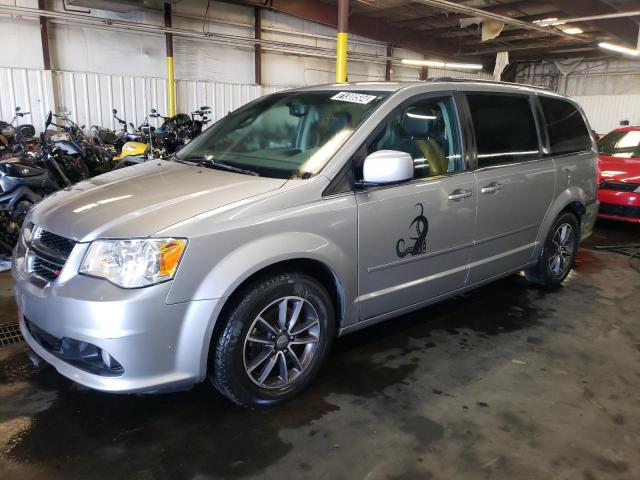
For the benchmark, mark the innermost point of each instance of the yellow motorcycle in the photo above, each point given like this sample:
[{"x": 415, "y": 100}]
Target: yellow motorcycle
[{"x": 134, "y": 148}]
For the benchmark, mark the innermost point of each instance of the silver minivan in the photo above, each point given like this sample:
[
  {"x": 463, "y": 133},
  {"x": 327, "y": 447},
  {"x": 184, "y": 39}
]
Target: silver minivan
[{"x": 304, "y": 215}]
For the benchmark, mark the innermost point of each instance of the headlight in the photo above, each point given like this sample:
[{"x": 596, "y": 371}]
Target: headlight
[{"x": 133, "y": 263}]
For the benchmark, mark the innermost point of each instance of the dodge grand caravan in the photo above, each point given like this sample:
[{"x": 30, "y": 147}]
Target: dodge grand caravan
[{"x": 301, "y": 216}]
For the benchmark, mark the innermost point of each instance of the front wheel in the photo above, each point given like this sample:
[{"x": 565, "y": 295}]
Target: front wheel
[
  {"x": 274, "y": 340},
  {"x": 558, "y": 253}
]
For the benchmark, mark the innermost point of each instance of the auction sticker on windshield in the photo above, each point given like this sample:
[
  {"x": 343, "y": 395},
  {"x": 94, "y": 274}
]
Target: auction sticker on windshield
[{"x": 353, "y": 97}]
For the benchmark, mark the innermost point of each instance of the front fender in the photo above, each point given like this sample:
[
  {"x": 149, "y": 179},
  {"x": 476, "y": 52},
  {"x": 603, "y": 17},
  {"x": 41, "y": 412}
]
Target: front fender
[
  {"x": 240, "y": 264},
  {"x": 251, "y": 257}
]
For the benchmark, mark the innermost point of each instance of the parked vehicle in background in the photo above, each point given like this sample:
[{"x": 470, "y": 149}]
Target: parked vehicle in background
[
  {"x": 14, "y": 138},
  {"x": 164, "y": 141},
  {"x": 71, "y": 138},
  {"x": 23, "y": 182},
  {"x": 301, "y": 216},
  {"x": 619, "y": 167},
  {"x": 177, "y": 131}
]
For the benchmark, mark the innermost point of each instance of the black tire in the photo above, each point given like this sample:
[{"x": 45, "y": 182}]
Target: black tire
[
  {"x": 229, "y": 361},
  {"x": 542, "y": 272}
]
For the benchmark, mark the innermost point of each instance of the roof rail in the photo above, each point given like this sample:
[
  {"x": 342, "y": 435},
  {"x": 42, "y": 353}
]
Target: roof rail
[{"x": 481, "y": 80}]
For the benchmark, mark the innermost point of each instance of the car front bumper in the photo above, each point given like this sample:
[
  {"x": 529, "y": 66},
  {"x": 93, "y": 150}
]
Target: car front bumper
[
  {"x": 157, "y": 346},
  {"x": 617, "y": 205}
]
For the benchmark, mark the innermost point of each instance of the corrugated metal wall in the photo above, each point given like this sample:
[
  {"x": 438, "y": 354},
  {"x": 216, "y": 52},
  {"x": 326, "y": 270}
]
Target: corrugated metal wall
[
  {"x": 90, "y": 97},
  {"x": 608, "y": 91},
  {"x": 27, "y": 89},
  {"x": 606, "y": 111},
  {"x": 443, "y": 72}
]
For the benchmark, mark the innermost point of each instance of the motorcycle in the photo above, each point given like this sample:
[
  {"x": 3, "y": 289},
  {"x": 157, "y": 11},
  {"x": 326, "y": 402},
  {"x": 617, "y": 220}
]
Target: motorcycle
[
  {"x": 16, "y": 138},
  {"x": 198, "y": 125},
  {"x": 132, "y": 142},
  {"x": 23, "y": 182},
  {"x": 73, "y": 141},
  {"x": 178, "y": 130},
  {"x": 163, "y": 141},
  {"x": 128, "y": 133}
]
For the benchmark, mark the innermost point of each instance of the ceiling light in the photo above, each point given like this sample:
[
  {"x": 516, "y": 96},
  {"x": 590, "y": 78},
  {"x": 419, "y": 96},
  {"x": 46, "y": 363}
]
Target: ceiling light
[
  {"x": 422, "y": 63},
  {"x": 572, "y": 30},
  {"x": 438, "y": 64},
  {"x": 619, "y": 48},
  {"x": 548, "y": 22},
  {"x": 469, "y": 66}
]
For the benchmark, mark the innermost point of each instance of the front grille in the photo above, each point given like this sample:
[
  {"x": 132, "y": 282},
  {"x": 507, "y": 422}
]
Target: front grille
[
  {"x": 56, "y": 243},
  {"x": 619, "y": 186},
  {"x": 47, "y": 270},
  {"x": 619, "y": 210},
  {"x": 47, "y": 254}
]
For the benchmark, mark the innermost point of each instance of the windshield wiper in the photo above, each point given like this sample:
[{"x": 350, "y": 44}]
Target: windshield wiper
[{"x": 211, "y": 163}]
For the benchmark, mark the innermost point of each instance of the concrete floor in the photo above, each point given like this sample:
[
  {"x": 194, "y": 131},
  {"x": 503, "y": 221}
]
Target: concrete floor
[{"x": 507, "y": 382}]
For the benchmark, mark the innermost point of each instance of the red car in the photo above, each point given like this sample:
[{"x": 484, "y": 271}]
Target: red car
[{"x": 619, "y": 167}]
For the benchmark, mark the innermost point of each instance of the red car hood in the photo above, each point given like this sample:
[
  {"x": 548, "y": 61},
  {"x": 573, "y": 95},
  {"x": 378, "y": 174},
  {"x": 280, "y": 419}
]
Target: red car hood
[{"x": 617, "y": 169}]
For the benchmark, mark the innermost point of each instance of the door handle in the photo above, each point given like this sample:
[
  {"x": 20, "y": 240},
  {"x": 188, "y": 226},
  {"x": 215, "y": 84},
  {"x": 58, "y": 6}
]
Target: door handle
[
  {"x": 459, "y": 194},
  {"x": 492, "y": 188}
]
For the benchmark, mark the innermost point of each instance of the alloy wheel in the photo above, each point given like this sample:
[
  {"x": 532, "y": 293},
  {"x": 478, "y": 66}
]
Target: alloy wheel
[
  {"x": 561, "y": 249},
  {"x": 281, "y": 342}
]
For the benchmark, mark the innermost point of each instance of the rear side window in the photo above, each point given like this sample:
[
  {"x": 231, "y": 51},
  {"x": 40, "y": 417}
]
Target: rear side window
[
  {"x": 565, "y": 126},
  {"x": 504, "y": 127}
]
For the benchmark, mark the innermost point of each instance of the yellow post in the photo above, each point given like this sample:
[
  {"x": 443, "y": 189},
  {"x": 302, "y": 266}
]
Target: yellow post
[
  {"x": 341, "y": 44},
  {"x": 171, "y": 88},
  {"x": 341, "y": 57}
]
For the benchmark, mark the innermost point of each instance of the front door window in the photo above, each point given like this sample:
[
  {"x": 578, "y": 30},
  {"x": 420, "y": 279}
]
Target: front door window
[{"x": 428, "y": 131}]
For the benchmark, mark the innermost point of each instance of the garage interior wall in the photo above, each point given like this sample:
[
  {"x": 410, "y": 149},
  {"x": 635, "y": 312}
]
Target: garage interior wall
[
  {"x": 607, "y": 90},
  {"x": 96, "y": 69}
]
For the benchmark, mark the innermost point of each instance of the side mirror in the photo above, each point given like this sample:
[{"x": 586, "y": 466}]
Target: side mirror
[
  {"x": 114, "y": 111},
  {"x": 387, "y": 166},
  {"x": 18, "y": 109},
  {"x": 153, "y": 110},
  {"x": 205, "y": 108}
]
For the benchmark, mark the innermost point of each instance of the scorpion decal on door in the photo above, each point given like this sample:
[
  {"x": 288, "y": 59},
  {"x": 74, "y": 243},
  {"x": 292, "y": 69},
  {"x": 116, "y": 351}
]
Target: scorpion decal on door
[{"x": 421, "y": 225}]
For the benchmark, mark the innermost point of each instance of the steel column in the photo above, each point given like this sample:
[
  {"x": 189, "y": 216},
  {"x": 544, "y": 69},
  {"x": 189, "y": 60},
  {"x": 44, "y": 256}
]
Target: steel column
[
  {"x": 258, "y": 47},
  {"x": 53, "y": 95},
  {"x": 387, "y": 69},
  {"x": 44, "y": 36},
  {"x": 341, "y": 46},
  {"x": 171, "y": 88}
]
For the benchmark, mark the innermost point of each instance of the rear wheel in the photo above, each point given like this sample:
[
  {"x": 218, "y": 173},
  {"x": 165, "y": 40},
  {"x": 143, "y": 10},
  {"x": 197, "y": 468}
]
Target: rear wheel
[
  {"x": 274, "y": 340},
  {"x": 558, "y": 253}
]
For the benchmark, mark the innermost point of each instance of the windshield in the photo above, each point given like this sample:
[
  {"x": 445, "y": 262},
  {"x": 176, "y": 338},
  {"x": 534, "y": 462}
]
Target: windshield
[
  {"x": 284, "y": 135},
  {"x": 621, "y": 144}
]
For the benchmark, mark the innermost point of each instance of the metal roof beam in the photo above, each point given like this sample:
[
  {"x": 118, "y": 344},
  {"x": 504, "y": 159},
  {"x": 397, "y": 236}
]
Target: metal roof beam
[{"x": 624, "y": 29}]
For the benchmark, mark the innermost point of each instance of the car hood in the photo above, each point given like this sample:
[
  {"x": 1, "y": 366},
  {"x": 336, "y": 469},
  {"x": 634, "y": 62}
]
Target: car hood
[
  {"x": 617, "y": 169},
  {"x": 139, "y": 201}
]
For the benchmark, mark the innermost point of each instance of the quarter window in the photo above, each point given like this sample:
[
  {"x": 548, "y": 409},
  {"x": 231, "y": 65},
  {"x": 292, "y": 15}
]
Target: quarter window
[
  {"x": 505, "y": 128},
  {"x": 428, "y": 131},
  {"x": 565, "y": 126}
]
